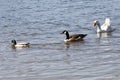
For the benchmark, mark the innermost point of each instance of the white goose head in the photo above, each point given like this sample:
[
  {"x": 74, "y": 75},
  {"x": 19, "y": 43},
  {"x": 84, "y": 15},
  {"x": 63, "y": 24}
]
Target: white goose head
[{"x": 96, "y": 23}]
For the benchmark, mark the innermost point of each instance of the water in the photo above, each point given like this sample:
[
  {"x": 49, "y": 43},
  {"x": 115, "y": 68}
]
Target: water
[{"x": 49, "y": 58}]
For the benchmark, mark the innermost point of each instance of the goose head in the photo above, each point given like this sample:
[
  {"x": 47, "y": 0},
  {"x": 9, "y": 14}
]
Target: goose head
[
  {"x": 96, "y": 23},
  {"x": 65, "y": 32}
]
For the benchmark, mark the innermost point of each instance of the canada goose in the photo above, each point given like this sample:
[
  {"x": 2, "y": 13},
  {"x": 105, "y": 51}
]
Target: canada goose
[{"x": 73, "y": 37}]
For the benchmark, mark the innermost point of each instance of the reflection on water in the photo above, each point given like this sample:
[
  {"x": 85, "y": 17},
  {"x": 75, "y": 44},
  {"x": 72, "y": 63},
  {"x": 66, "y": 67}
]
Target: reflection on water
[
  {"x": 77, "y": 43},
  {"x": 105, "y": 34},
  {"x": 66, "y": 58}
]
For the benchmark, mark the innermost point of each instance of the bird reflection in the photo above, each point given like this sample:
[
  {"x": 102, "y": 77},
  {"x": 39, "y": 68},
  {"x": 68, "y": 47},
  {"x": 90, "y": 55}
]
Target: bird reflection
[
  {"x": 68, "y": 44},
  {"x": 105, "y": 34}
]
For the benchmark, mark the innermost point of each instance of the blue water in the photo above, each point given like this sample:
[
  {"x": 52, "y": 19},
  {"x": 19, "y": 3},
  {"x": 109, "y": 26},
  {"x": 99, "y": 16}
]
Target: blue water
[{"x": 40, "y": 23}]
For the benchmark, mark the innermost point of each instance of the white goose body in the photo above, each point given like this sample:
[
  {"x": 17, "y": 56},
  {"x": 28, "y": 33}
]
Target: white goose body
[{"x": 106, "y": 27}]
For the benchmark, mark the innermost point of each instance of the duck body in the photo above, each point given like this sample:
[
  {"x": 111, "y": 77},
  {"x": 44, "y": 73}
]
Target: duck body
[
  {"x": 73, "y": 37},
  {"x": 106, "y": 27},
  {"x": 19, "y": 45}
]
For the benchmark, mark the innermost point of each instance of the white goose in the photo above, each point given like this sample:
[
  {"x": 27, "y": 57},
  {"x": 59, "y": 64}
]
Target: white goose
[{"x": 106, "y": 27}]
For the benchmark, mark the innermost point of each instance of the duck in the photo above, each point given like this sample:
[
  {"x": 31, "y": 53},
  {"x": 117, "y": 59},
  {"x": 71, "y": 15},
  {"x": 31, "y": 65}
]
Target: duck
[
  {"x": 73, "y": 37},
  {"x": 106, "y": 27},
  {"x": 20, "y": 45}
]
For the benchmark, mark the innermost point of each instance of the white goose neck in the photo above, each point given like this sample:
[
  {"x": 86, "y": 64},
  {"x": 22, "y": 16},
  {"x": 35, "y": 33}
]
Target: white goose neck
[{"x": 98, "y": 27}]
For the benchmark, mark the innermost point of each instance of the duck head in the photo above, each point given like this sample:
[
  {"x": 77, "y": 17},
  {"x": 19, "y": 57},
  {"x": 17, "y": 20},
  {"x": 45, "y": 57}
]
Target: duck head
[{"x": 14, "y": 42}]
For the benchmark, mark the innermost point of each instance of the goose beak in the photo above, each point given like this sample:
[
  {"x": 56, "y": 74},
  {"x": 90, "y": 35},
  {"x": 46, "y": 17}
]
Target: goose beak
[
  {"x": 94, "y": 24},
  {"x": 62, "y": 32}
]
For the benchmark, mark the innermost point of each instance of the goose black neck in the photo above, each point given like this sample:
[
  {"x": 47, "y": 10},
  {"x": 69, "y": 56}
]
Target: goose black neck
[{"x": 67, "y": 35}]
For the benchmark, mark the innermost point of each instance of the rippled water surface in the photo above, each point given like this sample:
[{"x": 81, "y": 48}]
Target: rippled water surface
[{"x": 40, "y": 22}]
